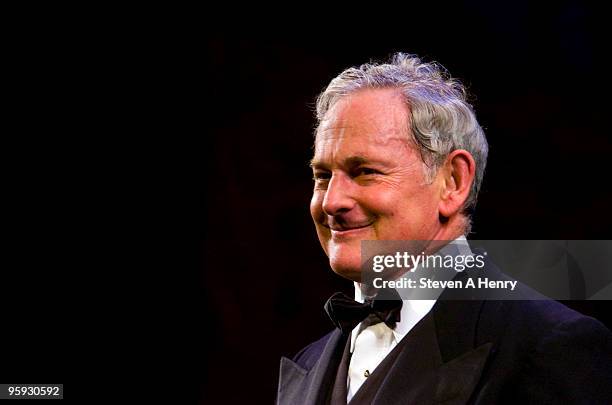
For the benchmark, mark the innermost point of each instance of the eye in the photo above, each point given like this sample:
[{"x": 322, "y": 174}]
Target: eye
[
  {"x": 321, "y": 176},
  {"x": 365, "y": 171}
]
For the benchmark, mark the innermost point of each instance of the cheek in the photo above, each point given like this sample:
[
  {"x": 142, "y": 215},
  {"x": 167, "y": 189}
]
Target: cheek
[
  {"x": 406, "y": 205},
  {"x": 428, "y": 201},
  {"x": 316, "y": 212},
  {"x": 316, "y": 206},
  {"x": 423, "y": 211},
  {"x": 383, "y": 203}
]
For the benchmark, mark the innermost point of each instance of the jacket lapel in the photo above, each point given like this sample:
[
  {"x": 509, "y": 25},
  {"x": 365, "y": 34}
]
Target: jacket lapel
[
  {"x": 309, "y": 387},
  {"x": 412, "y": 377},
  {"x": 457, "y": 379},
  {"x": 439, "y": 363}
]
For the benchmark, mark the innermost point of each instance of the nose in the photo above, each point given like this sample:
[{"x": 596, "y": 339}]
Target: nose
[{"x": 338, "y": 196}]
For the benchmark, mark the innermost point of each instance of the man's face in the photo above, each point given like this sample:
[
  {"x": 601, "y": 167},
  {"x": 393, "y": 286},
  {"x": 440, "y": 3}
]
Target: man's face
[{"x": 369, "y": 179}]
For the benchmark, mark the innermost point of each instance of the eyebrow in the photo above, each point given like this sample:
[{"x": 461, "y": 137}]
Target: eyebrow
[{"x": 350, "y": 161}]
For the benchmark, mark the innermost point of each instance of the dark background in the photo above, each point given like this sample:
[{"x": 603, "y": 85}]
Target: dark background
[{"x": 538, "y": 80}]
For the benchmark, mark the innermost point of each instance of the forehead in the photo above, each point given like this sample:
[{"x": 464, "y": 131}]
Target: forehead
[{"x": 367, "y": 120}]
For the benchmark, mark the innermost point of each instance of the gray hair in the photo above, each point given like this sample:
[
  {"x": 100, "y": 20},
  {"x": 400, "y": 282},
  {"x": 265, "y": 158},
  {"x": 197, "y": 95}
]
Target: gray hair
[{"x": 441, "y": 119}]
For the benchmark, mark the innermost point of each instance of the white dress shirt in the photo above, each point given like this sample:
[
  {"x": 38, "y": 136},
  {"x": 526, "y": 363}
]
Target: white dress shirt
[{"x": 370, "y": 345}]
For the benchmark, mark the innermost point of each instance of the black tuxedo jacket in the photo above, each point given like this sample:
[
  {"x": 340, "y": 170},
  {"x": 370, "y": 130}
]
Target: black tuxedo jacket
[{"x": 477, "y": 352}]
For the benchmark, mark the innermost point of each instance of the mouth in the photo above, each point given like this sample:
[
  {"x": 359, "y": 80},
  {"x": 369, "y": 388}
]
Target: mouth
[{"x": 338, "y": 230}]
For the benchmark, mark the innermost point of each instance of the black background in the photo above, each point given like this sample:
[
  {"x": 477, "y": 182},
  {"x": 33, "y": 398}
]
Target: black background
[{"x": 538, "y": 79}]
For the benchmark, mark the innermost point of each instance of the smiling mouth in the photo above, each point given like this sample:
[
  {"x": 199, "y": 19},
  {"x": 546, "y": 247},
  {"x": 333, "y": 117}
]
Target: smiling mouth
[{"x": 338, "y": 228}]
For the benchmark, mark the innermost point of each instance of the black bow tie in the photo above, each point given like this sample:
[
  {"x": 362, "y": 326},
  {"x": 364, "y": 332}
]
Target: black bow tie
[{"x": 346, "y": 313}]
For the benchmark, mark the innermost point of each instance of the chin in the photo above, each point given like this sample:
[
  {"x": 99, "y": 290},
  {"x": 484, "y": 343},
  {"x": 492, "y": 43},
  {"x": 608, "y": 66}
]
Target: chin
[
  {"x": 350, "y": 270},
  {"x": 345, "y": 260}
]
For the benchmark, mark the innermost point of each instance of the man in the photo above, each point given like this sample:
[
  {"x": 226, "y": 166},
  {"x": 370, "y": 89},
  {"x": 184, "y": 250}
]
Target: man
[{"x": 399, "y": 155}]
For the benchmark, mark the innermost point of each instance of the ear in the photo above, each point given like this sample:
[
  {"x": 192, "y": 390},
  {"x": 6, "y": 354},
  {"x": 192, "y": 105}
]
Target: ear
[{"x": 458, "y": 173}]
